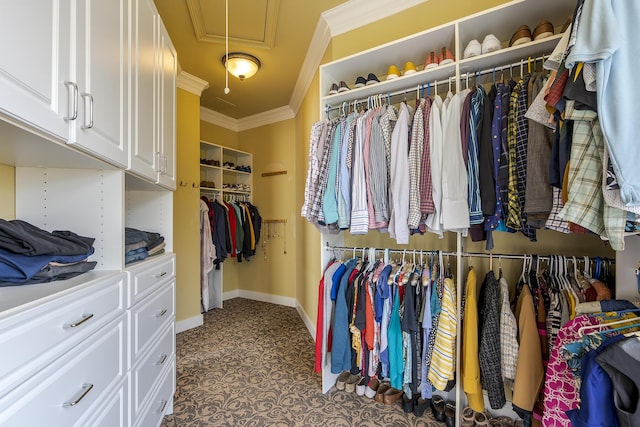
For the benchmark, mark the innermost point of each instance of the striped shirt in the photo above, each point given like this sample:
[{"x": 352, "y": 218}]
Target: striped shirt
[
  {"x": 443, "y": 359},
  {"x": 473, "y": 191},
  {"x": 426, "y": 196},
  {"x": 379, "y": 173},
  {"x": 359, "y": 209},
  {"x": 415, "y": 159}
]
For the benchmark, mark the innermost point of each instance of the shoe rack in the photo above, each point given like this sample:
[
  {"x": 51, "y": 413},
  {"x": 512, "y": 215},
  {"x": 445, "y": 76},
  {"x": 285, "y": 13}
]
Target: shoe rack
[
  {"x": 501, "y": 21},
  {"x": 225, "y": 172}
]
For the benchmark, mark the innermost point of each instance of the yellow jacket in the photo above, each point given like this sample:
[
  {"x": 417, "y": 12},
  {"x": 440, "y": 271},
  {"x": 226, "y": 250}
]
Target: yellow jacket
[{"x": 470, "y": 359}]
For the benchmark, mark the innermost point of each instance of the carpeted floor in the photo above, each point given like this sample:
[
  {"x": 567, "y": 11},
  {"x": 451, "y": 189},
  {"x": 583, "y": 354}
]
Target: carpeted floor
[{"x": 251, "y": 364}]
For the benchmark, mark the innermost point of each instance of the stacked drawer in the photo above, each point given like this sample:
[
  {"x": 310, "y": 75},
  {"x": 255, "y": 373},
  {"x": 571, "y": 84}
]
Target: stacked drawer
[{"x": 151, "y": 309}]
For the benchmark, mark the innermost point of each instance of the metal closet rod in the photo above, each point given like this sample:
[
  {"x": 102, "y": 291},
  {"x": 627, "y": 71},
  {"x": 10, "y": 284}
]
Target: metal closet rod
[
  {"x": 421, "y": 86},
  {"x": 463, "y": 254}
]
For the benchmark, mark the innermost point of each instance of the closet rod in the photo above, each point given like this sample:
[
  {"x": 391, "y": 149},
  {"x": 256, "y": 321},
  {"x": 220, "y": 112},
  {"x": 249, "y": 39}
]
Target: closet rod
[
  {"x": 517, "y": 256},
  {"x": 523, "y": 62},
  {"x": 393, "y": 251}
]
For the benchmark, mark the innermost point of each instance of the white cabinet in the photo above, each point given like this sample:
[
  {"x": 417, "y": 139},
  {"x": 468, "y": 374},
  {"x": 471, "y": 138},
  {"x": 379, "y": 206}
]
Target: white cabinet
[
  {"x": 154, "y": 63},
  {"x": 68, "y": 74},
  {"x": 225, "y": 172}
]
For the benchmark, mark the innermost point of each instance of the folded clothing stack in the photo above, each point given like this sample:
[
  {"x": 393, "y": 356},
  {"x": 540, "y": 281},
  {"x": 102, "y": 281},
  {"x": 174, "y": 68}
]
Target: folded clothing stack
[
  {"x": 30, "y": 255},
  {"x": 139, "y": 245}
]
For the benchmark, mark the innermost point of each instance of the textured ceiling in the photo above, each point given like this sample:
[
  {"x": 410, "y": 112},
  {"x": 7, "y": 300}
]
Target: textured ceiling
[{"x": 278, "y": 32}]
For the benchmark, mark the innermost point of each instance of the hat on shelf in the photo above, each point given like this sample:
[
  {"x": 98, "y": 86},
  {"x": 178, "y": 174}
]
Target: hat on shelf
[
  {"x": 360, "y": 82},
  {"x": 473, "y": 49},
  {"x": 334, "y": 89},
  {"x": 372, "y": 79},
  {"x": 520, "y": 36},
  {"x": 409, "y": 68},
  {"x": 490, "y": 44},
  {"x": 543, "y": 30},
  {"x": 343, "y": 87},
  {"x": 446, "y": 57},
  {"x": 431, "y": 61},
  {"x": 393, "y": 72}
]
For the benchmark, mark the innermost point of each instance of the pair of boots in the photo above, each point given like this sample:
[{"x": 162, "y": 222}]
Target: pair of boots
[{"x": 415, "y": 404}]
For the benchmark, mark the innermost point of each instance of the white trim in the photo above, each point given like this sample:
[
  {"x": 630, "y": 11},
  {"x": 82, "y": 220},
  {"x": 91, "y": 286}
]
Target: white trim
[
  {"x": 191, "y": 83},
  {"x": 306, "y": 319},
  {"x": 190, "y": 323},
  {"x": 357, "y": 13},
  {"x": 315, "y": 52},
  {"x": 230, "y": 295},
  {"x": 218, "y": 119},
  {"x": 265, "y": 118},
  {"x": 273, "y": 299}
]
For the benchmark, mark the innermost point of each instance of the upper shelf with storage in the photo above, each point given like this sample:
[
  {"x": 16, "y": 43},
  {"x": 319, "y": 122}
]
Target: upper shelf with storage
[
  {"x": 225, "y": 170},
  {"x": 501, "y": 21}
]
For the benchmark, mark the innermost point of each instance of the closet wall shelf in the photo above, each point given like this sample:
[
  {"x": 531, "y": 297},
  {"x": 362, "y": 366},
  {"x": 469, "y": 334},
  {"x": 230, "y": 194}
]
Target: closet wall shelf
[
  {"x": 234, "y": 171},
  {"x": 210, "y": 167}
]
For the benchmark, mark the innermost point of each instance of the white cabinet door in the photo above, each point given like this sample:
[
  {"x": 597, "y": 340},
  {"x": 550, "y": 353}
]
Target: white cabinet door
[
  {"x": 102, "y": 51},
  {"x": 167, "y": 110},
  {"x": 34, "y": 63},
  {"x": 145, "y": 152}
]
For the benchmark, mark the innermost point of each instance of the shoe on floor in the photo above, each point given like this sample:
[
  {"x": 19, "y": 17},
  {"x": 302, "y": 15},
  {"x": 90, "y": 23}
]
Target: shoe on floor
[
  {"x": 372, "y": 388},
  {"x": 350, "y": 386},
  {"x": 480, "y": 419},
  {"x": 407, "y": 403},
  {"x": 342, "y": 380},
  {"x": 473, "y": 49},
  {"x": 391, "y": 396},
  {"x": 467, "y": 417},
  {"x": 361, "y": 386},
  {"x": 382, "y": 389},
  {"x": 437, "y": 407},
  {"x": 490, "y": 44},
  {"x": 420, "y": 406},
  {"x": 450, "y": 414}
]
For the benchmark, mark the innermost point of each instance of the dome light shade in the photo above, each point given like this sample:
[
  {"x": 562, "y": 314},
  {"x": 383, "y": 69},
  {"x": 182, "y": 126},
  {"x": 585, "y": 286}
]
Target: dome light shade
[{"x": 241, "y": 65}]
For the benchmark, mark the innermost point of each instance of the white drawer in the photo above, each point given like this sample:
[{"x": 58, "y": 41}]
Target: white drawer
[
  {"x": 114, "y": 412},
  {"x": 150, "y": 316},
  {"x": 161, "y": 401},
  {"x": 32, "y": 339},
  {"x": 145, "y": 278},
  {"x": 76, "y": 383},
  {"x": 147, "y": 373}
]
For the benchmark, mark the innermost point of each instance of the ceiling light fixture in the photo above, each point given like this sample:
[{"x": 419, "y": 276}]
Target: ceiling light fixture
[{"x": 241, "y": 65}]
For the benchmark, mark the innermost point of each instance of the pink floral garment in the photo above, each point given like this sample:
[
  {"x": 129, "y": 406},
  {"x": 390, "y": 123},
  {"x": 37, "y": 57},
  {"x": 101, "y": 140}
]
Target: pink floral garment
[{"x": 560, "y": 390}]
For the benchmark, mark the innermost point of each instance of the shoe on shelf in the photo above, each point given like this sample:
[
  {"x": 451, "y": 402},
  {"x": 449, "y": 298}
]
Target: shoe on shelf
[
  {"x": 372, "y": 388},
  {"x": 473, "y": 49},
  {"x": 490, "y": 44},
  {"x": 342, "y": 379},
  {"x": 467, "y": 417},
  {"x": 391, "y": 396},
  {"x": 420, "y": 406},
  {"x": 432, "y": 61},
  {"x": 360, "y": 82},
  {"x": 543, "y": 30},
  {"x": 372, "y": 79},
  {"x": 437, "y": 407},
  {"x": 520, "y": 36},
  {"x": 382, "y": 389},
  {"x": 446, "y": 57},
  {"x": 333, "y": 89},
  {"x": 409, "y": 68},
  {"x": 393, "y": 72},
  {"x": 450, "y": 414},
  {"x": 343, "y": 87}
]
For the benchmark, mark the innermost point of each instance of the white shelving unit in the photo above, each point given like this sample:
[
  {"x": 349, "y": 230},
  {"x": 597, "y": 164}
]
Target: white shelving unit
[{"x": 220, "y": 178}]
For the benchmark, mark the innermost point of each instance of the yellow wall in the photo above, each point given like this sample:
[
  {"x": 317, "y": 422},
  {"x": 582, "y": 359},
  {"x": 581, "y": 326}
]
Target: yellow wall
[
  {"x": 7, "y": 192},
  {"x": 186, "y": 221},
  {"x": 218, "y": 135}
]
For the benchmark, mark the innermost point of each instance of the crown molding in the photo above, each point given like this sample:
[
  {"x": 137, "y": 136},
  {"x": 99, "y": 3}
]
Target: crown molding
[
  {"x": 357, "y": 13},
  {"x": 238, "y": 125},
  {"x": 315, "y": 52},
  {"x": 191, "y": 83},
  {"x": 218, "y": 119}
]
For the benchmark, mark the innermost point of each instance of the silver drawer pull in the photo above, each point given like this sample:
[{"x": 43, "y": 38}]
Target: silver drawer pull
[
  {"x": 164, "y": 273},
  {"x": 162, "y": 313},
  {"x": 162, "y": 360},
  {"x": 85, "y": 317},
  {"x": 86, "y": 389},
  {"x": 163, "y": 404},
  {"x": 74, "y": 99}
]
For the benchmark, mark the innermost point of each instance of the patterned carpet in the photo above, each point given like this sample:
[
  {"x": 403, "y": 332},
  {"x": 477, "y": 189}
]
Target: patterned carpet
[{"x": 251, "y": 364}]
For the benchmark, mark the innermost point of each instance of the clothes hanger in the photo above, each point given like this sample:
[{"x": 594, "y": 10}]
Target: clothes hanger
[{"x": 635, "y": 322}]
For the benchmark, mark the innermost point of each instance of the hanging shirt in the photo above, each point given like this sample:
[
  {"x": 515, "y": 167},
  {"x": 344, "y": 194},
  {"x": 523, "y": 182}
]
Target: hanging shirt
[
  {"x": 443, "y": 359},
  {"x": 330, "y": 198},
  {"x": 470, "y": 360},
  {"x": 378, "y": 171},
  {"x": 415, "y": 159},
  {"x": 426, "y": 183},
  {"x": 508, "y": 335},
  {"x": 433, "y": 221},
  {"x": 473, "y": 181},
  {"x": 399, "y": 188},
  {"x": 359, "y": 209},
  {"x": 344, "y": 181}
]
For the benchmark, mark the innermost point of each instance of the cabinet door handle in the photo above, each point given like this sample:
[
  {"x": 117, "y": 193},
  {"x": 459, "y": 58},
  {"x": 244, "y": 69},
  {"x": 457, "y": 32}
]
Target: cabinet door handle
[
  {"x": 166, "y": 164},
  {"x": 159, "y": 275},
  {"x": 163, "y": 404},
  {"x": 163, "y": 358},
  {"x": 158, "y": 159},
  {"x": 86, "y": 388},
  {"x": 74, "y": 97},
  {"x": 162, "y": 313},
  {"x": 85, "y": 317},
  {"x": 90, "y": 97}
]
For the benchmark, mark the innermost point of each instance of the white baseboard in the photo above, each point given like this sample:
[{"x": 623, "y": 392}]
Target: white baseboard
[
  {"x": 230, "y": 295},
  {"x": 274, "y": 299},
  {"x": 190, "y": 323},
  {"x": 306, "y": 319}
]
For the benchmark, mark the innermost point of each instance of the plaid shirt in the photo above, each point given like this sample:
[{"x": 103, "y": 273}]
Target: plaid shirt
[
  {"x": 426, "y": 184},
  {"x": 313, "y": 169},
  {"x": 522, "y": 140},
  {"x": 490, "y": 348},
  {"x": 554, "y": 222},
  {"x": 415, "y": 159},
  {"x": 508, "y": 335},
  {"x": 585, "y": 205}
]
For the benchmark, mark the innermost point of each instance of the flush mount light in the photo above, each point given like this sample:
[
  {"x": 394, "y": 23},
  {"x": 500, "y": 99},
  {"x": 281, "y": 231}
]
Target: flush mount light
[{"x": 241, "y": 65}]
